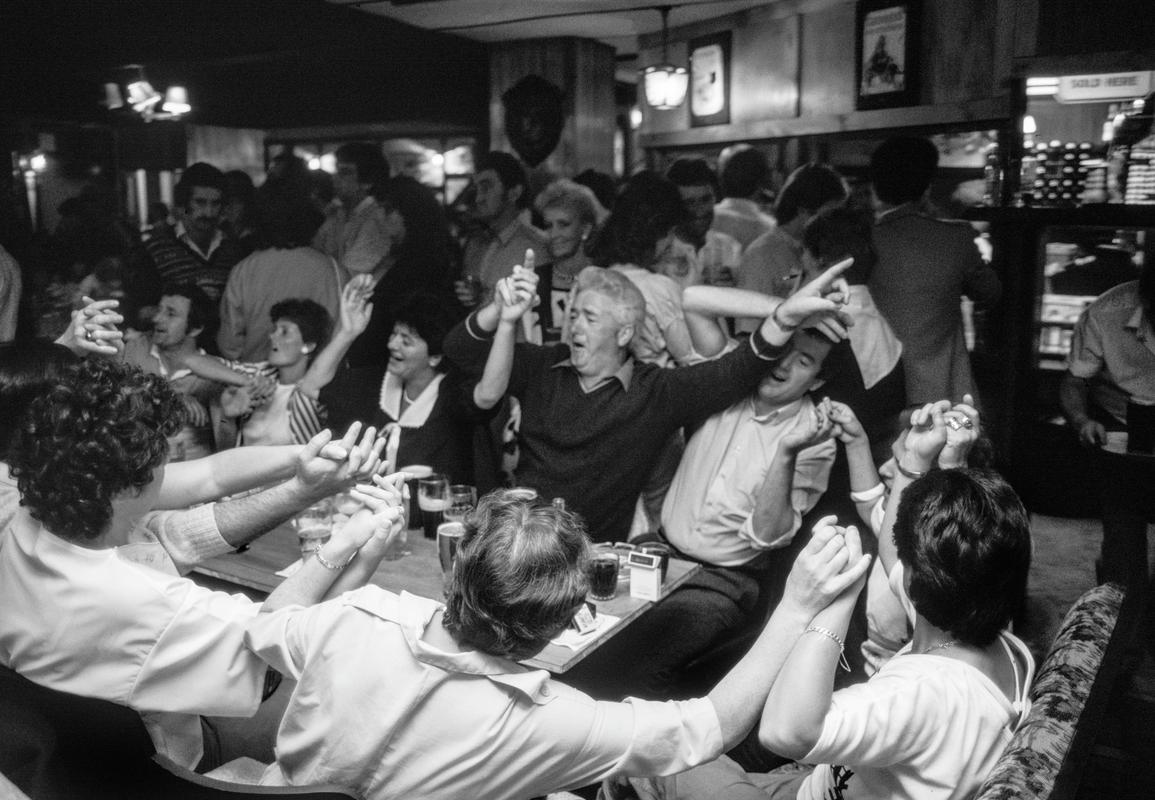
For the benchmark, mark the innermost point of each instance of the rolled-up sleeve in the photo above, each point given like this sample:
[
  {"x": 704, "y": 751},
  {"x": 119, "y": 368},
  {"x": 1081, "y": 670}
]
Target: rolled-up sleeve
[{"x": 189, "y": 536}]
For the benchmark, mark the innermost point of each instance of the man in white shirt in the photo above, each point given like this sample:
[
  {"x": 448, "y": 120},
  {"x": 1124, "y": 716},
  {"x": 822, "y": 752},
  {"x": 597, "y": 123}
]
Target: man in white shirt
[
  {"x": 92, "y": 609},
  {"x": 745, "y": 178},
  {"x": 398, "y": 696},
  {"x": 747, "y": 477},
  {"x": 717, "y": 253},
  {"x": 356, "y": 232}
]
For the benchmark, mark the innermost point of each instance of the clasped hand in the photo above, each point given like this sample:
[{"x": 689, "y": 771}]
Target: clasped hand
[{"x": 830, "y": 568}]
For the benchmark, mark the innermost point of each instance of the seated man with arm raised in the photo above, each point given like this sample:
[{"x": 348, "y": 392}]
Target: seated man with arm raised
[{"x": 594, "y": 420}]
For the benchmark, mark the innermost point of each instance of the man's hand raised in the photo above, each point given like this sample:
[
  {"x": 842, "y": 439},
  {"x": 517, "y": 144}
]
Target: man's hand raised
[{"x": 819, "y": 303}]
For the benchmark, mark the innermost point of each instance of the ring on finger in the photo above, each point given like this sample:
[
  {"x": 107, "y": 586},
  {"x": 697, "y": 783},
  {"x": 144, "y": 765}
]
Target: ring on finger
[
  {"x": 954, "y": 424},
  {"x": 88, "y": 335}
]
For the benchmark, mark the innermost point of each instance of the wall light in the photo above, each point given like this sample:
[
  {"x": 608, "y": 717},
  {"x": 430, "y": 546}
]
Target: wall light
[{"x": 134, "y": 93}]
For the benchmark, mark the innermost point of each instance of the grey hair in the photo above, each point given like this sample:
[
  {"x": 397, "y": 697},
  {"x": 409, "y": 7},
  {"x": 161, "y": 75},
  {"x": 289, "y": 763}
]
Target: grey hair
[{"x": 629, "y": 305}]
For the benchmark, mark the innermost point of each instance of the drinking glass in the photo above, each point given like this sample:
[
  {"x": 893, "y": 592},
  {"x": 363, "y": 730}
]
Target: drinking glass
[
  {"x": 432, "y": 499},
  {"x": 448, "y": 538},
  {"x": 604, "y": 570},
  {"x": 314, "y": 526},
  {"x": 462, "y": 500}
]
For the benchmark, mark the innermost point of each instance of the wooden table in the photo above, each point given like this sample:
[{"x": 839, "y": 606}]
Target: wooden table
[{"x": 419, "y": 573}]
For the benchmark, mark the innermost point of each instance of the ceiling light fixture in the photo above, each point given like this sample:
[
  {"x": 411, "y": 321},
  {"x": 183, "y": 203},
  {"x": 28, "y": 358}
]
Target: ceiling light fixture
[
  {"x": 664, "y": 84},
  {"x": 142, "y": 99}
]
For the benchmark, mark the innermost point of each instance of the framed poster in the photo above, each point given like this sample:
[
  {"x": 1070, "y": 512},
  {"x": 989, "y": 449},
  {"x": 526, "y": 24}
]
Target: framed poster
[
  {"x": 886, "y": 45},
  {"x": 710, "y": 80}
]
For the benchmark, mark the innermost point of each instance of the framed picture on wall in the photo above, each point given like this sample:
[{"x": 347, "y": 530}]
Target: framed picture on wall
[
  {"x": 886, "y": 45},
  {"x": 710, "y": 80}
]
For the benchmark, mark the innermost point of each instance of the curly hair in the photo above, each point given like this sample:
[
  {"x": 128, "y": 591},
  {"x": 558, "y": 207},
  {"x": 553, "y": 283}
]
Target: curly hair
[
  {"x": 99, "y": 432},
  {"x": 519, "y": 577},
  {"x": 964, "y": 538}
]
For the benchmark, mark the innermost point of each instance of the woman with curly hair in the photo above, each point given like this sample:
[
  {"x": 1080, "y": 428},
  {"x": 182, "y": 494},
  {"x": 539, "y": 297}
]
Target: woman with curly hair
[{"x": 90, "y": 609}]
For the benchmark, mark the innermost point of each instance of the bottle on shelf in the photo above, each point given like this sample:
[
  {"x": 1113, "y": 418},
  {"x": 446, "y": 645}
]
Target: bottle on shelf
[{"x": 993, "y": 178}]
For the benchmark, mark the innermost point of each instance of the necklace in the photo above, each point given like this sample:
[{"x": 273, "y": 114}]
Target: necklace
[{"x": 939, "y": 646}]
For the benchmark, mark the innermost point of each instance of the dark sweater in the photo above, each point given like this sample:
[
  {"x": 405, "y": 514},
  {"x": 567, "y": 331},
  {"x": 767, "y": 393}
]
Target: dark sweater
[{"x": 596, "y": 450}]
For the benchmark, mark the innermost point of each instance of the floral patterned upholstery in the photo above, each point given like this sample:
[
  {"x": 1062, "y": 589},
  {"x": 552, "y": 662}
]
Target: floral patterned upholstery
[{"x": 1031, "y": 763}]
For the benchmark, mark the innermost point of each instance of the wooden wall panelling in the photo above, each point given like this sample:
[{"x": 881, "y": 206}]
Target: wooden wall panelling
[
  {"x": 827, "y": 80},
  {"x": 584, "y": 70},
  {"x": 764, "y": 69},
  {"x": 957, "y": 51}
]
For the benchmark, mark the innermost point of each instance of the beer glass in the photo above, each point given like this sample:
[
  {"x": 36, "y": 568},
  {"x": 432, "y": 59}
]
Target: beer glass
[
  {"x": 432, "y": 499},
  {"x": 314, "y": 526},
  {"x": 462, "y": 500},
  {"x": 604, "y": 568},
  {"x": 448, "y": 538}
]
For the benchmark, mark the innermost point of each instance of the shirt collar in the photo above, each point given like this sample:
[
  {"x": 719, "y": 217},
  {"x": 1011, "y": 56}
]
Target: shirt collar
[
  {"x": 904, "y": 210},
  {"x": 413, "y": 615},
  {"x": 624, "y": 375},
  {"x": 787, "y": 411},
  {"x": 506, "y": 234},
  {"x": 183, "y": 237}
]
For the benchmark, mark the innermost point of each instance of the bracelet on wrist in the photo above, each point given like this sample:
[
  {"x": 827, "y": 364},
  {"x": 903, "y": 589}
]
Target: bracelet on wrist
[
  {"x": 913, "y": 475},
  {"x": 834, "y": 637},
  {"x": 329, "y": 565},
  {"x": 869, "y": 495},
  {"x": 782, "y": 326}
]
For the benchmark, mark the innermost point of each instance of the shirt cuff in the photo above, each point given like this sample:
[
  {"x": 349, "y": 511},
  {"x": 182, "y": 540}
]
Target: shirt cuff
[
  {"x": 763, "y": 349},
  {"x": 189, "y": 536},
  {"x": 473, "y": 330},
  {"x": 869, "y": 495}
]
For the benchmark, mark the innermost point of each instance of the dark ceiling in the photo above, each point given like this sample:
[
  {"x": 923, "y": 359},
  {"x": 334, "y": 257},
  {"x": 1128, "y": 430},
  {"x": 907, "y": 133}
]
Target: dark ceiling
[{"x": 246, "y": 63}]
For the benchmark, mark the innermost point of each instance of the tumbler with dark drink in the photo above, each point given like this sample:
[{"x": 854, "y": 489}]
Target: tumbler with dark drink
[
  {"x": 433, "y": 499},
  {"x": 603, "y": 575}
]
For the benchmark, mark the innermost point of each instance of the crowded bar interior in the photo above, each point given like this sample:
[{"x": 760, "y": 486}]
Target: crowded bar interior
[{"x": 462, "y": 399}]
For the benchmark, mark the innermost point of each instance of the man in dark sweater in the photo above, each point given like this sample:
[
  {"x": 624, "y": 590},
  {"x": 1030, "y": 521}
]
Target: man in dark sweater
[{"x": 594, "y": 420}]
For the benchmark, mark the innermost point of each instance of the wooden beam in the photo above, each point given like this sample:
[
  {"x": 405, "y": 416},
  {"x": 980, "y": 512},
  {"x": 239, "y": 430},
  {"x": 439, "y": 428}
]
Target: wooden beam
[{"x": 994, "y": 111}]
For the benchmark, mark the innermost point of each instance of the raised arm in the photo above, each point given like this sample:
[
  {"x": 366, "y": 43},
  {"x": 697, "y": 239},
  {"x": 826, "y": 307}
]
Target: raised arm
[
  {"x": 703, "y": 306},
  {"x": 353, "y": 319},
  {"x": 513, "y": 297},
  {"x": 775, "y": 518},
  {"x": 866, "y": 487},
  {"x": 323, "y": 468},
  {"x": 800, "y": 698},
  {"x": 203, "y": 480},
  {"x": 824, "y": 570},
  {"x": 211, "y": 369}
]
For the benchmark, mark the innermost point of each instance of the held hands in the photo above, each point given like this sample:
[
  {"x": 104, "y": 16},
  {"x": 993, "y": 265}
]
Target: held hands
[
  {"x": 325, "y": 467},
  {"x": 831, "y": 566},
  {"x": 372, "y": 528},
  {"x": 93, "y": 329},
  {"x": 355, "y": 306},
  {"x": 818, "y": 303},
  {"x": 962, "y": 430},
  {"x": 925, "y": 438},
  {"x": 196, "y": 415}
]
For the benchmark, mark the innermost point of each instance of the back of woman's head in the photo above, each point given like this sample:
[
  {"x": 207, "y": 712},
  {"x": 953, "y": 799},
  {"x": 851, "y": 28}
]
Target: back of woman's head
[
  {"x": 809, "y": 188},
  {"x": 647, "y": 209},
  {"x": 964, "y": 540},
  {"x": 837, "y": 233}
]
